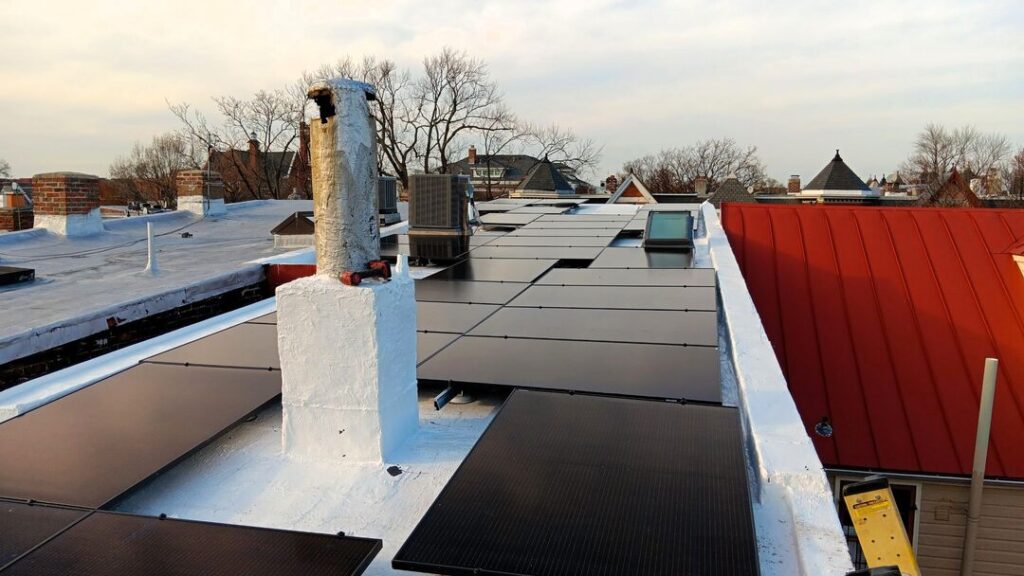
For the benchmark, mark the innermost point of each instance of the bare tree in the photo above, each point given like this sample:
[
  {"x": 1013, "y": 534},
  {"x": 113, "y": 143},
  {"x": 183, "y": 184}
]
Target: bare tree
[
  {"x": 937, "y": 150},
  {"x": 506, "y": 137},
  {"x": 5, "y": 169},
  {"x": 149, "y": 170},
  {"x": 674, "y": 170},
  {"x": 249, "y": 145},
  {"x": 1014, "y": 175},
  {"x": 563, "y": 146}
]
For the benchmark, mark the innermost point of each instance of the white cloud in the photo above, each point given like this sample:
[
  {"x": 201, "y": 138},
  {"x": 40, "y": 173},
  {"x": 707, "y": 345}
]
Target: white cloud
[{"x": 82, "y": 81}]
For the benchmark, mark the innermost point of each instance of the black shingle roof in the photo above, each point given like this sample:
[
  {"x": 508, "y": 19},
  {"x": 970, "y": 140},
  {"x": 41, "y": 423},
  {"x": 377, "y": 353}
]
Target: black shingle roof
[
  {"x": 837, "y": 176},
  {"x": 546, "y": 177},
  {"x": 730, "y": 191}
]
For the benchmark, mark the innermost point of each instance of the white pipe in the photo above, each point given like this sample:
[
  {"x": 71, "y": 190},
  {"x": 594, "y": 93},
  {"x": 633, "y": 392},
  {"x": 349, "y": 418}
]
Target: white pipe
[
  {"x": 151, "y": 266},
  {"x": 988, "y": 392}
]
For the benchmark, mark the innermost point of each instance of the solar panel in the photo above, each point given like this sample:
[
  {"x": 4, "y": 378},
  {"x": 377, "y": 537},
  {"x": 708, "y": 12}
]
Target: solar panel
[
  {"x": 24, "y": 526},
  {"x": 537, "y": 252},
  {"x": 429, "y": 343},
  {"x": 625, "y": 297},
  {"x": 646, "y": 370},
  {"x": 127, "y": 545},
  {"x": 629, "y": 277},
  {"x": 467, "y": 291},
  {"x": 585, "y": 218},
  {"x": 578, "y": 232},
  {"x": 637, "y": 326},
  {"x": 541, "y": 224},
  {"x": 496, "y": 270},
  {"x": 265, "y": 319},
  {"x": 562, "y": 484},
  {"x": 91, "y": 446},
  {"x": 244, "y": 346},
  {"x": 639, "y": 258},
  {"x": 636, "y": 225},
  {"x": 456, "y": 318},
  {"x": 540, "y": 210},
  {"x": 507, "y": 219},
  {"x": 600, "y": 241}
]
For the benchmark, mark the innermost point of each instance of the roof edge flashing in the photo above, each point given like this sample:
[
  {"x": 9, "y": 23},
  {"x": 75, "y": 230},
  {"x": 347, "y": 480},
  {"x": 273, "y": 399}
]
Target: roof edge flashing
[{"x": 786, "y": 465}]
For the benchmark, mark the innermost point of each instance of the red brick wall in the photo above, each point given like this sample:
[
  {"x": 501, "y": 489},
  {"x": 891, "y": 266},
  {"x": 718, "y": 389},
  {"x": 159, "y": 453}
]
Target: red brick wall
[
  {"x": 65, "y": 193},
  {"x": 14, "y": 219},
  {"x": 199, "y": 183}
]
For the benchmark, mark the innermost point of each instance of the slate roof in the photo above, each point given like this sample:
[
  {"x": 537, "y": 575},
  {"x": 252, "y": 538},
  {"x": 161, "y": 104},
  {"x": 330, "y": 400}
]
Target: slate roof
[
  {"x": 516, "y": 166},
  {"x": 545, "y": 177},
  {"x": 732, "y": 190},
  {"x": 836, "y": 175},
  {"x": 881, "y": 319}
]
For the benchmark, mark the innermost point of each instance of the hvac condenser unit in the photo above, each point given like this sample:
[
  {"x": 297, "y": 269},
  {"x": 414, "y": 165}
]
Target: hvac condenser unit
[
  {"x": 438, "y": 205},
  {"x": 387, "y": 200}
]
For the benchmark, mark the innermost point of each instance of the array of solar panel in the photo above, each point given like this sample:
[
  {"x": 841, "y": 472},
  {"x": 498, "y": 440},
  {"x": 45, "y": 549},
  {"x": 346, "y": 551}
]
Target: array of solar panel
[
  {"x": 614, "y": 257},
  {"x": 618, "y": 297},
  {"x": 575, "y": 232},
  {"x": 574, "y": 484},
  {"x": 539, "y": 210},
  {"x": 591, "y": 241},
  {"x": 614, "y": 218},
  {"x": 91, "y": 446},
  {"x": 468, "y": 291},
  {"x": 247, "y": 345},
  {"x": 127, "y": 545},
  {"x": 496, "y": 270},
  {"x": 569, "y": 225},
  {"x": 681, "y": 277},
  {"x": 507, "y": 219}
]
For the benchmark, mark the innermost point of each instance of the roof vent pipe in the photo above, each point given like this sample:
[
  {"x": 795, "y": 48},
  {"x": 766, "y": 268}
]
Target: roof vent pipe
[
  {"x": 988, "y": 393},
  {"x": 151, "y": 266}
]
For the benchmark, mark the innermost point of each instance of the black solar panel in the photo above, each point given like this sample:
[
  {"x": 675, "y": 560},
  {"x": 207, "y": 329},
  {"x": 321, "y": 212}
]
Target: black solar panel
[
  {"x": 639, "y": 258},
  {"x": 626, "y": 297},
  {"x": 580, "y": 232},
  {"x": 599, "y": 241},
  {"x": 91, "y": 446},
  {"x": 126, "y": 545},
  {"x": 537, "y": 252},
  {"x": 638, "y": 326},
  {"x": 585, "y": 218},
  {"x": 562, "y": 484},
  {"x": 547, "y": 225},
  {"x": 540, "y": 210},
  {"x": 467, "y": 291},
  {"x": 428, "y": 343},
  {"x": 496, "y": 270},
  {"x": 24, "y": 526},
  {"x": 647, "y": 370},
  {"x": 507, "y": 219},
  {"x": 244, "y": 346},
  {"x": 451, "y": 317},
  {"x": 629, "y": 277}
]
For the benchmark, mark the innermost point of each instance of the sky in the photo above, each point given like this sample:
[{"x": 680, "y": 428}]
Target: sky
[{"x": 80, "y": 82}]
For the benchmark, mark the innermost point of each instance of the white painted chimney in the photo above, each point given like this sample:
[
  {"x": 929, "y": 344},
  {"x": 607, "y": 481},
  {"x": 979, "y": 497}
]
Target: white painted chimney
[{"x": 348, "y": 353}]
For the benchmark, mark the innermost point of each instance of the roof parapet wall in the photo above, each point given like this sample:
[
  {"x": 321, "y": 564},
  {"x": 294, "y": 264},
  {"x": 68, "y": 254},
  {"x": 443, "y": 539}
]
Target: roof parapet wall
[{"x": 786, "y": 467}]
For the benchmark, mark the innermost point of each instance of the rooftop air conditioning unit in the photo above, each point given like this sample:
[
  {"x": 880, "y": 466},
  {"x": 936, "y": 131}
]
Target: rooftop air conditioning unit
[
  {"x": 438, "y": 205},
  {"x": 387, "y": 200}
]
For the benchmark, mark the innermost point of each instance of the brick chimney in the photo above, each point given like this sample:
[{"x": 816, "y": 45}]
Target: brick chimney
[
  {"x": 15, "y": 211},
  {"x": 254, "y": 152},
  {"x": 793, "y": 187},
  {"x": 200, "y": 192},
  {"x": 472, "y": 155},
  {"x": 67, "y": 203},
  {"x": 611, "y": 184},
  {"x": 700, "y": 186}
]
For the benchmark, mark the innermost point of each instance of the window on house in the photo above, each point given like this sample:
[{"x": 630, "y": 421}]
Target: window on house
[
  {"x": 488, "y": 172},
  {"x": 905, "y": 496}
]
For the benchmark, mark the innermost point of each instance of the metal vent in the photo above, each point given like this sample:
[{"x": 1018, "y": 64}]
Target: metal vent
[
  {"x": 437, "y": 202},
  {"x": 387, "y": 195}
]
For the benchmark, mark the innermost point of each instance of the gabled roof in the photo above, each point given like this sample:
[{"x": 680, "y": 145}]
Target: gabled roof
[
  {"x": 297, "y": 224},
  {"x": 732, "y": 190},
  {"x": 956, "y": 192},
  {"x": 632, "y": 187},
  {"x": 882, "y": 318},
  {"x": 836, "y": 176},
  {"x": 545, "y": 177}
]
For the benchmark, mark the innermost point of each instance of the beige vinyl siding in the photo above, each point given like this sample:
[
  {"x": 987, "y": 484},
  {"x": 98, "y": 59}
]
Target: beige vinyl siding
[{"x": 941, "y": 521}]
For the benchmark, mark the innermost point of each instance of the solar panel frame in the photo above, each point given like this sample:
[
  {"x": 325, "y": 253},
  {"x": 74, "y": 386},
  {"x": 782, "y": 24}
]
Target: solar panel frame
[
  {"x": 561, "y": 484},
  {"x": 247, "y": 345},
  {"x": 92, "y": 447},
  {"x": 657, "y": 371},
  {"x": 130, "y": 545},
  {"x": 618, "y": 297}
]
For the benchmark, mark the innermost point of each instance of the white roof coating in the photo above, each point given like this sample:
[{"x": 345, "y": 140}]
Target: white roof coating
[{"x": 245, "y": 478}]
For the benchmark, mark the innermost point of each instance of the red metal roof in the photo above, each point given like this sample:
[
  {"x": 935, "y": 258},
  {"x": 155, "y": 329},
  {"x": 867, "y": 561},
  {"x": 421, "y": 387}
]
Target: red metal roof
[{"x": 881, "y": 319}]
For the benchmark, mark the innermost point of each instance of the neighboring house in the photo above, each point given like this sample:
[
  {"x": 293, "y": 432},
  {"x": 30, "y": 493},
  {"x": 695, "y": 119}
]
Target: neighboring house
[
  {"x": 257, "y": 174},
  {"x": 500, "y": 175},
  {"x": 838, "y": 184},
  {"x": 881, "y": 319},
  {"x": 955, "y": 193},
  {"x": 731, "y": 190},
  {"x": 632, "y": 191}
]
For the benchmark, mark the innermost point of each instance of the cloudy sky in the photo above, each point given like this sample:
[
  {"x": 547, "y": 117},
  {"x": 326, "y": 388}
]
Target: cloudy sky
[{"x": 81, "y": 81}]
